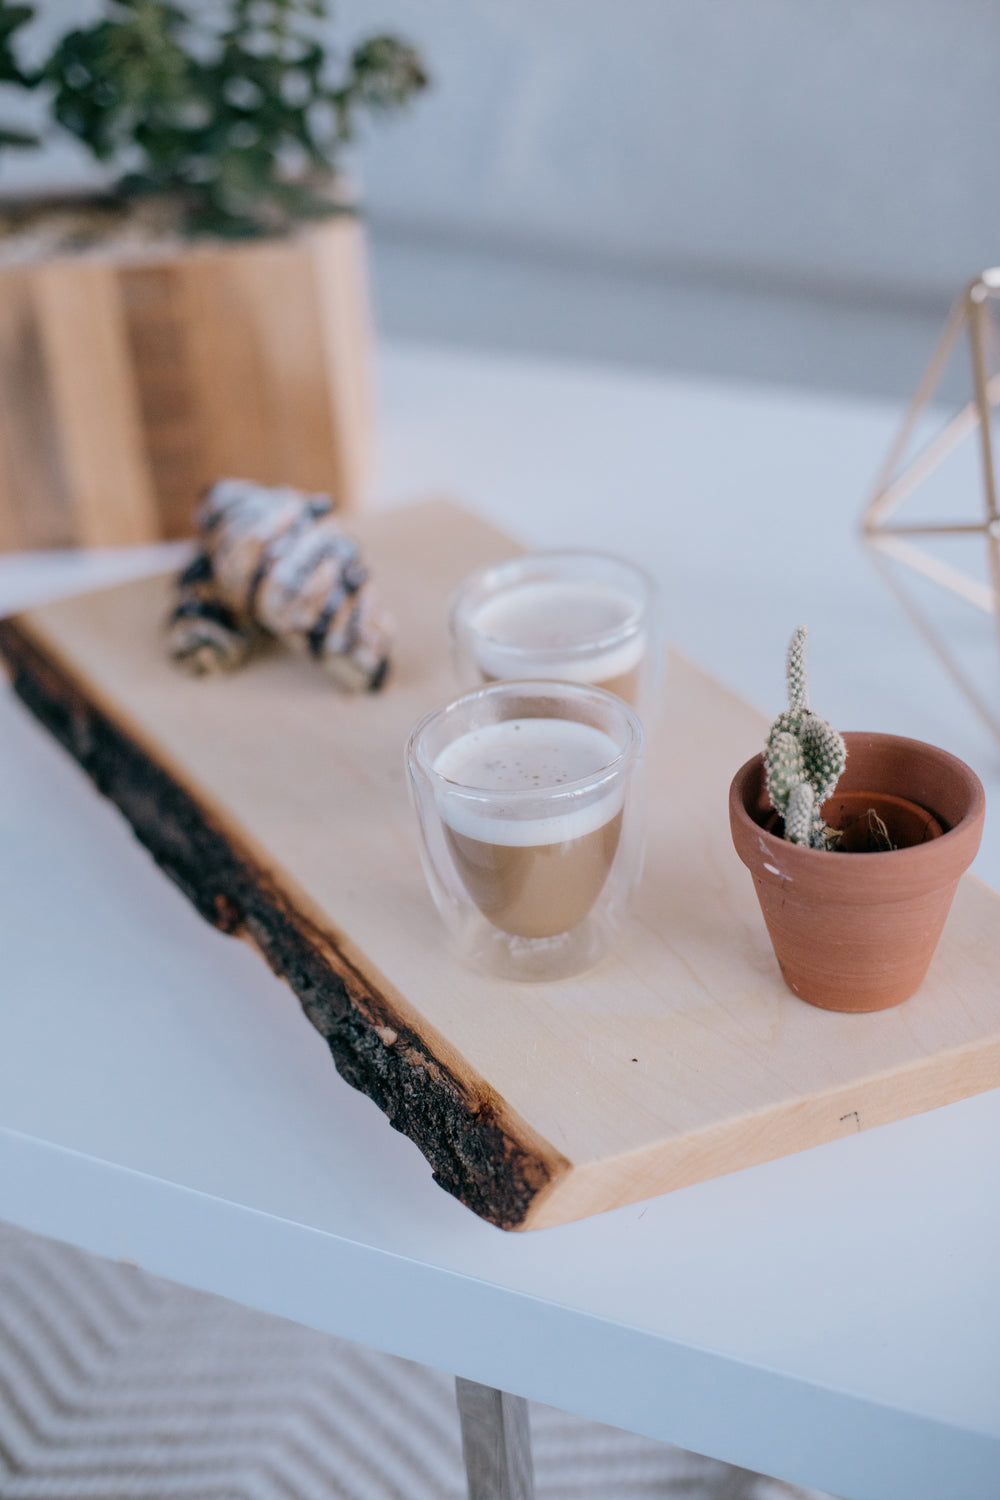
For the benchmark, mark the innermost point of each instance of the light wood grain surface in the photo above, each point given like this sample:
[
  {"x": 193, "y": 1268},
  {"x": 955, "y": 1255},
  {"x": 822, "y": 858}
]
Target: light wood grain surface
[
  {"x": 680, "y": 1058},
  {"x": 134, "y": 381}
]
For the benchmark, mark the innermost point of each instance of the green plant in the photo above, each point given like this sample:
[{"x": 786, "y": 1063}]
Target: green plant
[
  {"x": 12, "y": 18},
  {"x": 804, "y": 758},
  {"x": 234, "y": 110}
]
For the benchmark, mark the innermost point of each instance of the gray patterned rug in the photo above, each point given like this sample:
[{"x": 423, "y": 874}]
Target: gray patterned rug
[{"x": 115, "y": 1385}]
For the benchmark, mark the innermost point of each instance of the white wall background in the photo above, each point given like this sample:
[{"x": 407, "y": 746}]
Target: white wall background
[
  {"x": 594, "y": 176},
  {"x": 824, "y": 142}
]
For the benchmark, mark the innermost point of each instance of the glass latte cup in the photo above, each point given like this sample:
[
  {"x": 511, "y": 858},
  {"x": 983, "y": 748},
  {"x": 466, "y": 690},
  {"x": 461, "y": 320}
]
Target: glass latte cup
[
  {"x": 570, "y": 616},
  {"x": 527, "y": 797}
]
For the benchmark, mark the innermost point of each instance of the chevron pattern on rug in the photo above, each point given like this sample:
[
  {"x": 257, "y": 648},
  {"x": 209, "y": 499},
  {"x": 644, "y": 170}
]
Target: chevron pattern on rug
[{"x": 116, "y": 1385}]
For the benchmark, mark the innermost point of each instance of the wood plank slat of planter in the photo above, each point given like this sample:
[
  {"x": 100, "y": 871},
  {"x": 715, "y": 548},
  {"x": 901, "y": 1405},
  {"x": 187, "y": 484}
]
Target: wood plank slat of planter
[
  {"x": 173, "y": 420},
  {"x": 341, "y": 279},
  {"x": 34, "y": 504},
  {"x": 96, "y": 408},
  {"x": 681, "y": 1058}
]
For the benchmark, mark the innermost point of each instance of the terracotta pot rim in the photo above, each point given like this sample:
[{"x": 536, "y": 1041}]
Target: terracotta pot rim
[
  {"x": 913, "y": 852},
  {"x": 803, "y": 851}
]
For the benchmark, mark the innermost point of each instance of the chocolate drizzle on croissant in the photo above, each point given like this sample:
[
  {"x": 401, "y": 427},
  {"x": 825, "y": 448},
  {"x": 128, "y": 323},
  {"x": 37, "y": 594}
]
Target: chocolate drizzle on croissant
[{"x": 274, "y": 561}]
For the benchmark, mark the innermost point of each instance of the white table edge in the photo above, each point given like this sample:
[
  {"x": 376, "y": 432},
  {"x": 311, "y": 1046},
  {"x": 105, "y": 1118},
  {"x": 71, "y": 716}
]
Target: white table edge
[{"x": 805, "y": 1433}]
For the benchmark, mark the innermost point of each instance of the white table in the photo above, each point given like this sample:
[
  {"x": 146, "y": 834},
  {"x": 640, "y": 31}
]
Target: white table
[{"x": 832, "y": 1318}]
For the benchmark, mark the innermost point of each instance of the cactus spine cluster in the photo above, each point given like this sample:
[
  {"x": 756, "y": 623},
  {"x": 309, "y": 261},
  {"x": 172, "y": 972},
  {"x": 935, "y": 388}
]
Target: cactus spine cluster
[{"x": 803, "y": 759}]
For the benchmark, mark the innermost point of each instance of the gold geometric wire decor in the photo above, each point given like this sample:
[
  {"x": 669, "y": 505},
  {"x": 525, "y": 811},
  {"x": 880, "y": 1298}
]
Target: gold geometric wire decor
[
  {"x": 984, "y": 703},
  {"x": 971, "y": 314}
]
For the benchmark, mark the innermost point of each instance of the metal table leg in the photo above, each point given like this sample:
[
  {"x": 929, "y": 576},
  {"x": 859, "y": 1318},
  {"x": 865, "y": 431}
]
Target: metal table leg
[{"x": 496, "y": 1442}]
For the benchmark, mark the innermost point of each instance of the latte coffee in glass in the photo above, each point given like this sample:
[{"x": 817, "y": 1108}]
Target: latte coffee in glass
[
  {"x": 526, "y": 794},
  {"x": 532, "y": 877},
  {"x": 566, "y": 616}
]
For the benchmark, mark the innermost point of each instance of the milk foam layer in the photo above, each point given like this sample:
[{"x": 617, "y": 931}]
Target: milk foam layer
[
  {"x": 547, "y": 616},
  {"x": 527, "y": 755}
]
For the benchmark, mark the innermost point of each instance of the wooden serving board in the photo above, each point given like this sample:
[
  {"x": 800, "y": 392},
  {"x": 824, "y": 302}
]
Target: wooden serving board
[{"x": 280, "y": 808}]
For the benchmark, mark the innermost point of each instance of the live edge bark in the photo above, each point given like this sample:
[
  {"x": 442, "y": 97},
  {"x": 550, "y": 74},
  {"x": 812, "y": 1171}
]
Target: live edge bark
[{"x": 472, "y": 1154}]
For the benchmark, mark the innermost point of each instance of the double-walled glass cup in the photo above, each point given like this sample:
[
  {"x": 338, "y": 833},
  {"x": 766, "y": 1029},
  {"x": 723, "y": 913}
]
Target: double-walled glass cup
[
  {"x": 569, "y": 616},
  {"x": 528, "y": 800}
]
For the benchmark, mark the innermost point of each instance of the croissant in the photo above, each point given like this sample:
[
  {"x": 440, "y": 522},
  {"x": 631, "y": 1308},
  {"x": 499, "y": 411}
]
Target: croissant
[{"x": 274, "y": 561}]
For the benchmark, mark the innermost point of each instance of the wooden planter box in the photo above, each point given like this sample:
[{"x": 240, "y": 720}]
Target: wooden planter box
[{"x": 129, "y": 384}]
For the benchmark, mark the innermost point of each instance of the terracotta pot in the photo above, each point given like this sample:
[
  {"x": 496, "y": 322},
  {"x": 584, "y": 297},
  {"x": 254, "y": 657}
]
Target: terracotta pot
[{"x": 856, "y": 932}]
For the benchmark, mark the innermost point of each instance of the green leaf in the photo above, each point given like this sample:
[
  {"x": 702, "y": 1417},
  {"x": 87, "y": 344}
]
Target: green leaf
[
  {"x": 17, "y": 137},
  {"x": 12, "y": 18}
]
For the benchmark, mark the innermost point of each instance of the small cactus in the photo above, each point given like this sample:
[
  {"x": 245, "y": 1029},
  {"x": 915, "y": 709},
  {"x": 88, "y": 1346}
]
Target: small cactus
[
  {"x": 804, "y": 758},
  {"x": 797, "y": 672},
  {"x": 799, "y": 813}
]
